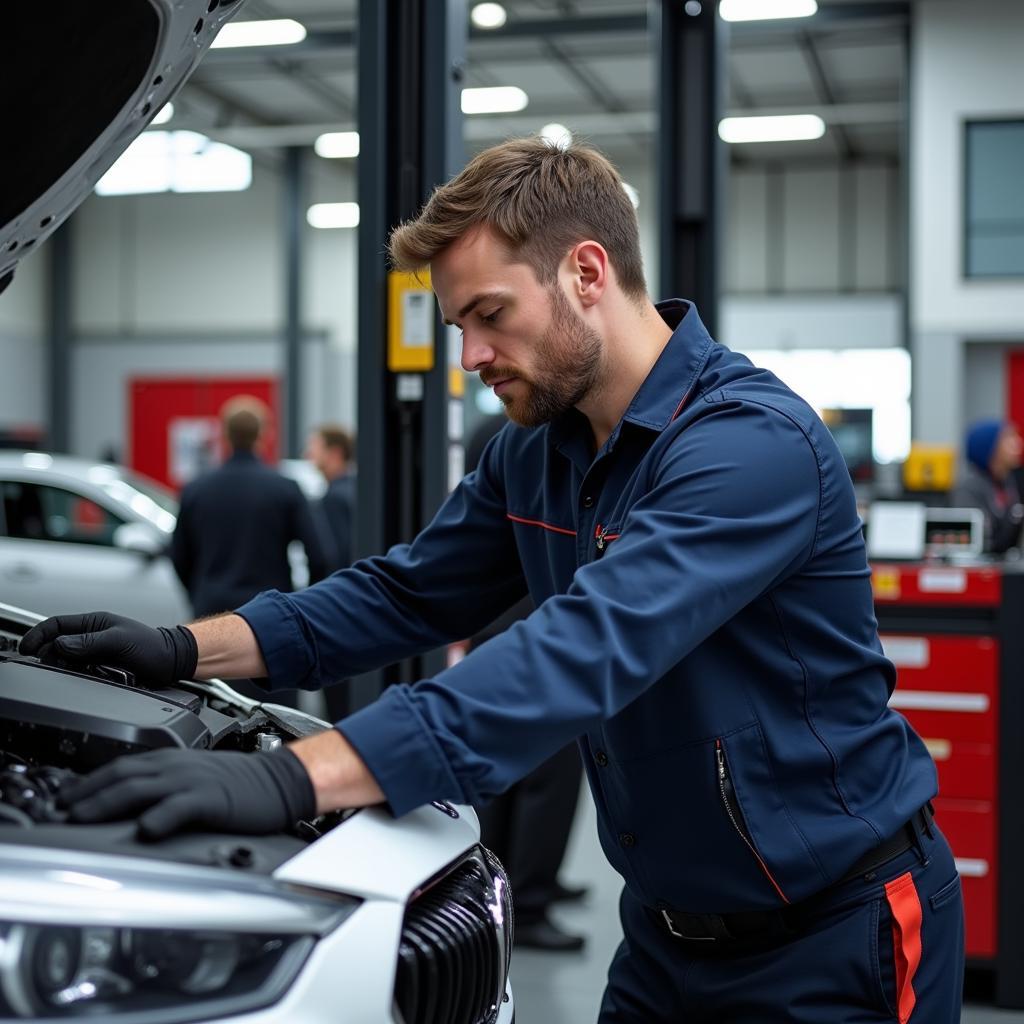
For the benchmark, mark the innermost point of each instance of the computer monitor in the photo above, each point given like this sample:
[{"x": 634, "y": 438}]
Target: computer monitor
[{"x": 851, "y": 429}]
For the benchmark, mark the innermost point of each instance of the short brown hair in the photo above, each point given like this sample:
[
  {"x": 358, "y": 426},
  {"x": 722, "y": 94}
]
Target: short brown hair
[
  {"x": 243, "y": 418},
  {"x": 334, "y": 436},
  {"x": 541, "y": 199}
]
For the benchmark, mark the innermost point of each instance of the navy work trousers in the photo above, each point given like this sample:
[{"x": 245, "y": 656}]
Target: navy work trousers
[{"x": 887, "y": 946}]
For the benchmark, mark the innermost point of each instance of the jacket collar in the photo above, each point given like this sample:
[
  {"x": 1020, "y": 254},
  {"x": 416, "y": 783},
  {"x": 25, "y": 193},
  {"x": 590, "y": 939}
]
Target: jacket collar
[{"x": 666, "y": 389}]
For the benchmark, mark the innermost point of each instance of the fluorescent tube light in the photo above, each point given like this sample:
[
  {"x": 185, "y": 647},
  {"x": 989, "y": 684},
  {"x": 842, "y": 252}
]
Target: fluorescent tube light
[
  {"x": 337, "y": 145},
  {"x": 781, "y": 128},
  {"x": 500, "y": 99},
  {"x": 275, "y": 32},
  {"x": 164, "y": 114},
  {"x": 163, "y": 161},
  {"x": 634, "y": 196},
  {"x": 557, "y": 134},
  {"x": 333, "y": 215},
  {"x": 488, "y": 15},
  {"x": 765, "y": 10}
]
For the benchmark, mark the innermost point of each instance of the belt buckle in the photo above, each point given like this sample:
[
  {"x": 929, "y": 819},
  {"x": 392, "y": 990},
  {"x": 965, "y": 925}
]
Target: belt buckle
[{"x": 679, "y": 935}]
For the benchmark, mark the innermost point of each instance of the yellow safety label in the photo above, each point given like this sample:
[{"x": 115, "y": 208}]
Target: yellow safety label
[{"x": 410, "y": 322}]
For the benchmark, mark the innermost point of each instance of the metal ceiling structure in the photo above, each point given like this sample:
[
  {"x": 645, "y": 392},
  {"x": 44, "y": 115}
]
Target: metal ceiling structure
[{"x": 588, "y": 65}]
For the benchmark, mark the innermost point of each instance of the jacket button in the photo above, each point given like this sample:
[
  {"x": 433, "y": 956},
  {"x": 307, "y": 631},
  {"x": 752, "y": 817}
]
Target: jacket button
[
  {"x": 588, "y": 501},
  {"x": 627, "y": 839},
  {"x": 601, "y": 758}
]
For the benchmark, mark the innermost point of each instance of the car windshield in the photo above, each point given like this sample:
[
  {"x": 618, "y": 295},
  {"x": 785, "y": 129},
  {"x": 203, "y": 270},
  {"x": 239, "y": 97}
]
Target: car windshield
[{"x": 144, "y": 496}]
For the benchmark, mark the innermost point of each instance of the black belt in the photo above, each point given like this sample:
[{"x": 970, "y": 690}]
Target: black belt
[{"x": 747, "y": 928}]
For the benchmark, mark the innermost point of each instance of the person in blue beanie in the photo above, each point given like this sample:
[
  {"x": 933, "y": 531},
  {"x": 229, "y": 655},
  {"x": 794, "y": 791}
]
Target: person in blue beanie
[{"x": 993, "y": 449}]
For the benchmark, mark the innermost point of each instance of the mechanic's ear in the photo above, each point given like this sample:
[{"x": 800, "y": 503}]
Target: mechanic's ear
[{"x": 589, "y": 267}]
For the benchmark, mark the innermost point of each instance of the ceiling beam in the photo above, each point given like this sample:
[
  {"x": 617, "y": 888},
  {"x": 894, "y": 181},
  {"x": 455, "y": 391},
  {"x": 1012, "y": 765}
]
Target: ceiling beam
[
  {"x": 823, "y": 89},
  {"x": 637, "y": 123}
]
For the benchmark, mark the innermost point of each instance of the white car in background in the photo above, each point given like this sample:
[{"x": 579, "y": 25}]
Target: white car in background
[{"x": 77, "y": 535}]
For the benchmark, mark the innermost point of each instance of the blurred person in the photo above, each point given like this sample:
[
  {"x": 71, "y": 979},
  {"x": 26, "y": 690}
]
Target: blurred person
[
  {"x": 528, "y": 825},
  {"x": 331, "y": 449},
  {"x": 236, "y": 521},
  {"x": 993, "y": 449}
]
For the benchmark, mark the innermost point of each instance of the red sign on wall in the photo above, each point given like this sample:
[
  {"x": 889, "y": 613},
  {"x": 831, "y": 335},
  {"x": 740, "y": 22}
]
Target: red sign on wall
[{"x": 174, "y": 423}]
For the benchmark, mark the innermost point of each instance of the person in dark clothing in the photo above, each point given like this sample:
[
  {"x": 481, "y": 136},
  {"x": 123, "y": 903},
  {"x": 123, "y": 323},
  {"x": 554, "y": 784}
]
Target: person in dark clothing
[
  {"x": 235, "y": 523},
  {"x": 332, "y": 450},
  {"x": 704, "y": 625},
  {"x": 528, "y": 825},
  {"x": 993, "y": 449}
]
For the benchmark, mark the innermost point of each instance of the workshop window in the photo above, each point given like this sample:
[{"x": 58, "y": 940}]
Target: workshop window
[{"x": 994, "y": 199}]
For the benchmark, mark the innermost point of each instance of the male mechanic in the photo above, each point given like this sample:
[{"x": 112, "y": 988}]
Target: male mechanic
[{"x": 704, "y": 624}]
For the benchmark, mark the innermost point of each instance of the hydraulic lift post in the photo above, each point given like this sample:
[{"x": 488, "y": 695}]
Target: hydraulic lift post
[{"x": 411, "y": 57}]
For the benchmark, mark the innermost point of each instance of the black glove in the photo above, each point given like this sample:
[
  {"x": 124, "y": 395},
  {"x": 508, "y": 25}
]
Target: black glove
[
  {"x": 172, "y": 789},
  {"x": 157, "y": 657}
]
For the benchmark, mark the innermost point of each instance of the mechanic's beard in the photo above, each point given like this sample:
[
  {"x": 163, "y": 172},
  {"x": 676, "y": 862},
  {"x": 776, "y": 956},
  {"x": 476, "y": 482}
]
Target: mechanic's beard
[{"x": 568, "y": 361}]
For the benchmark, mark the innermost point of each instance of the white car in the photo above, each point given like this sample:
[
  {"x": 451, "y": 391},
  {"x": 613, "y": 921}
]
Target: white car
[
  {"x": 353, "y": 918},
  {"x": 76, "y": 534}
]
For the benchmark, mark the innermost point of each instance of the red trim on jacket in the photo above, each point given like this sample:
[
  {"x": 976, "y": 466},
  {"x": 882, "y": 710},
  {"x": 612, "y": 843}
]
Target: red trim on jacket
[{"x": 537, "y": 522}]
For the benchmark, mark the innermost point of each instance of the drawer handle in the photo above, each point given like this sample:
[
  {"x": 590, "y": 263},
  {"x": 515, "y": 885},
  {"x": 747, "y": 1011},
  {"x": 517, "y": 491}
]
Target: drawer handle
[
  {"x": 939, "y": 749},
  {"x": 971, "y": 867},
  {"x": 932, "y": 700}
]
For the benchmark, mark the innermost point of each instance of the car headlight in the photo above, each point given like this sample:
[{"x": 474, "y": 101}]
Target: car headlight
[
  {"x": 159, "y": 943},
  {"x": 58, "y": 971}
]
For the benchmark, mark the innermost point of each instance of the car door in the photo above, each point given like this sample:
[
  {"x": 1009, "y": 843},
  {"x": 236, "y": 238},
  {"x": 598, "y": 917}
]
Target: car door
[{"x": 57, "y": 555}]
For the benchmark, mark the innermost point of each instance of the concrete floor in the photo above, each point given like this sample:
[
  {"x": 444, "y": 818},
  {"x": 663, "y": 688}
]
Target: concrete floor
[{"x": 566, "y": 988}]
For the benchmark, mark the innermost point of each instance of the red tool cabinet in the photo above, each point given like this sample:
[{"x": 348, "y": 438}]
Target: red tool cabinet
[{"x": 956, "y": 635}]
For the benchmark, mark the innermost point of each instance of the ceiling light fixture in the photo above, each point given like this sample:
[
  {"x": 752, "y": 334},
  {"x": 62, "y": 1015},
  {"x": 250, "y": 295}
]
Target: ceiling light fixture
[
  {"x": 765, "y": 10},
  {"x": 488, "y": 15},
  {"x": 500, "y": 99},
  {"x": 164, "y": 114},
  {"x": 333, "y": 215},
  {"x": 781, "y": 128},
  {"x": 275, "y": 32},
  {"x": 337, "y": 145},
  {"x": 557, "y": 134},
  {"x": 163, "y": 161}
]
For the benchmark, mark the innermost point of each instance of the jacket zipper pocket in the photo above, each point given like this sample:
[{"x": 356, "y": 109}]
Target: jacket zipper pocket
[{"x": 728, "y": 794}]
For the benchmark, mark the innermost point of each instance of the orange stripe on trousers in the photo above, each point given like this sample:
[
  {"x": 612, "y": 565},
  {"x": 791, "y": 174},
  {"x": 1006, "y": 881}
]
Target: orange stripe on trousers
[{"x": 906, "y": 940}]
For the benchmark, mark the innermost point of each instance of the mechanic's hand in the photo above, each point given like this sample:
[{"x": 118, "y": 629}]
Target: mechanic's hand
[
  {"x": 157, "y": 657},
  {"x": 173, "y": 789}
]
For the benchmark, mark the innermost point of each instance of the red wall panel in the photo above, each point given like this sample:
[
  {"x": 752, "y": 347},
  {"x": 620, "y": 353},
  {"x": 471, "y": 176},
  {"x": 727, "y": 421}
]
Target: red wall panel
[{"x": 174, "y": 423}]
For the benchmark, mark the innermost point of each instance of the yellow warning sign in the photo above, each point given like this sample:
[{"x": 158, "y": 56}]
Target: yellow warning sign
[
  {"x": 410, "y": 322},
  {"x": 885, "y": 582}
]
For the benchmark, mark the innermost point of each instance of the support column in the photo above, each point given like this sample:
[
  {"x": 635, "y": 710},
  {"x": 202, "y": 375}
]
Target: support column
[
  {"x": 411, "y": 54},
  {"x": 58, "y": 361},
  {"x": 689, "y": 41},
  {"x": 294, "y": 220}
]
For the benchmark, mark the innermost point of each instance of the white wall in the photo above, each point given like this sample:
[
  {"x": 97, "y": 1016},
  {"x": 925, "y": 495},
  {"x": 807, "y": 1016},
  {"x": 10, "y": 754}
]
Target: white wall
[
  {"x": 823, "y": 229},
  {"x": 810, "y": 322},
  {"x": 966, "y": 63},
  {"x": 22, "y": 346}
]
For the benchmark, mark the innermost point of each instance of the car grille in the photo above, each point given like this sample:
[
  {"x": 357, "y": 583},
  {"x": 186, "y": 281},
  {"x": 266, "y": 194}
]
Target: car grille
[{"x": 456, "y": 941}]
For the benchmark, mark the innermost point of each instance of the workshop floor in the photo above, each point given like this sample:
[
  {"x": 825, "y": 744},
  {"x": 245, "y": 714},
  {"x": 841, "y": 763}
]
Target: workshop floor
[{"x": 566, "y": 988}]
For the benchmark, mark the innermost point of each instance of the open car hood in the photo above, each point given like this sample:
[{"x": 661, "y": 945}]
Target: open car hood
[{"x": 79, "y": 82}]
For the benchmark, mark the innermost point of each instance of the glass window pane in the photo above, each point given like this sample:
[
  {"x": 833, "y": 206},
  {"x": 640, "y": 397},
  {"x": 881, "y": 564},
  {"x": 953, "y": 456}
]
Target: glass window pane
[
  {"x": 994, "y": 206},
  {"x": 50, "y": 513}
]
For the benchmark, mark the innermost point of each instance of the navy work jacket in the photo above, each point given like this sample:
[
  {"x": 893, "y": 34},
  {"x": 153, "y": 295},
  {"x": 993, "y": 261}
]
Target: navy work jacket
[{"x": 704, "y": 626}]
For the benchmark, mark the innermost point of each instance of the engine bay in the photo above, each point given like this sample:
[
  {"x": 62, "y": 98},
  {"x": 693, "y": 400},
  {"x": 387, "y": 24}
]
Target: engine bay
[{"x": 59, "y": 722}]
